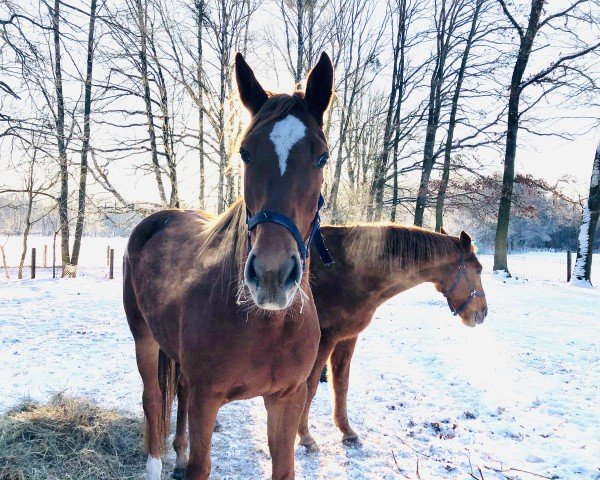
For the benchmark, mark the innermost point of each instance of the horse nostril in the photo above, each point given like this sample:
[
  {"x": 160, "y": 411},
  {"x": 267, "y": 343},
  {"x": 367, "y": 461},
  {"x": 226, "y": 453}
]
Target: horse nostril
[
  {"x": 484, "y": 312},
  {"x": 251, "y": 274},
  {"x": 295, "y": 274}
]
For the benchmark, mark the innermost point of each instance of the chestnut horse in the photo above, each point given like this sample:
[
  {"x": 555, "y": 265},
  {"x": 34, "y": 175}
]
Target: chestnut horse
[
  {"x": 372, "y": 264},
  {"x": 184, "y": 277}
]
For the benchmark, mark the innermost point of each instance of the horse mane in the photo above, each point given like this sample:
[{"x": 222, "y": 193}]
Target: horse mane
[
  {"x": 223, "y": 243},
  {"x": 277, "y": 106},
  {"x": 393, "y": 246}
]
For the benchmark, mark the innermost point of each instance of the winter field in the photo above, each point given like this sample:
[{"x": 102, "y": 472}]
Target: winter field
[{"x": 431, "y": 398}]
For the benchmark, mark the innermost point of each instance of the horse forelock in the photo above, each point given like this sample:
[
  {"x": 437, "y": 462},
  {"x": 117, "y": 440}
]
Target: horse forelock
[
  {"x": 276, "y": 107},
  {"x": 392, "y": 246}
]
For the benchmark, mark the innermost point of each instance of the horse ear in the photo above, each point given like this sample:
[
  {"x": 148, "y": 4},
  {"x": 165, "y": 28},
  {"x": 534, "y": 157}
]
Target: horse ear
[
  {"x": 442, "y": 231},
  {"x": 253, "y": 96},
  {"x": 465, "y": 241},
  {"x": 319, "y": 87}
]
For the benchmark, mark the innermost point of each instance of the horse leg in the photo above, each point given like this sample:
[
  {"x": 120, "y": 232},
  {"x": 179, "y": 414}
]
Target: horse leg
[
  {"x": 340, "y": 369},
  {"x": 180, "y": 442},
  {"x": 202, "y": 408},
  {"x": 283, "y": 417},
  {"x": 146, "y": 352},
  {"x": 312, "y": 383}
]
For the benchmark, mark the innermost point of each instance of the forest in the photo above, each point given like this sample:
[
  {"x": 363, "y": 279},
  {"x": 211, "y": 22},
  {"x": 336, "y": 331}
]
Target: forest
[{"x": 113, "y": 109}]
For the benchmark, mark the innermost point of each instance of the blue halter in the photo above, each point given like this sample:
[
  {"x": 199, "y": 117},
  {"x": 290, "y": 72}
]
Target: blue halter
[{"x": 288, "y": 223}]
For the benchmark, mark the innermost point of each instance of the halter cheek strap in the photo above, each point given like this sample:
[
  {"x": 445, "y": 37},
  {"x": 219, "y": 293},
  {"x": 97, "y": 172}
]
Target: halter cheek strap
[
  {"x": 286, "y": 222},
  {"x": 462, "y": 273}
]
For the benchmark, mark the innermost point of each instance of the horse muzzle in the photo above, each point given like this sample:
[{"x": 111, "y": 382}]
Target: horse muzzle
[
  {"x": 273, "y": 287},
  {"x": 475, "y": 317}
]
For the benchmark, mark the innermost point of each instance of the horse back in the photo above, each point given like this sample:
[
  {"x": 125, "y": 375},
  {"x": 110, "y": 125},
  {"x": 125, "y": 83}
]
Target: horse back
[{"x": 159, "y": 254}]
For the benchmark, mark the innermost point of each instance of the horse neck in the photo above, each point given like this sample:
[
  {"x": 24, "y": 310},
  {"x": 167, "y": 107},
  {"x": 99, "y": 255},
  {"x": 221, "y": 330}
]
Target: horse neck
[{"x": 401, "y": 258}]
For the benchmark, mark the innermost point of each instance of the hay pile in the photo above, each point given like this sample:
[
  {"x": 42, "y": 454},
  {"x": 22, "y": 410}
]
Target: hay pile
[{"x": 69, "y": 438}]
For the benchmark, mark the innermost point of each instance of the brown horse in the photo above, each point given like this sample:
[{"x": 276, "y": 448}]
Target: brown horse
[
  {"x": 184, "y": 279},
  {"x": 372, "y": 264}
]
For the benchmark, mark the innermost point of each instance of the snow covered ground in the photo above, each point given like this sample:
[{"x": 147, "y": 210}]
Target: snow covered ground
[{"x": 520, "y": 391}]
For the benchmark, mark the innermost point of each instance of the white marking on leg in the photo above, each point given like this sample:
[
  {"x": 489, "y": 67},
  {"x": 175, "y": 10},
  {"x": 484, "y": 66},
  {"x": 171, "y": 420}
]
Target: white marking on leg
[
  {"x": 285, "y": 134},
  {"x": 153, "y": 468}
]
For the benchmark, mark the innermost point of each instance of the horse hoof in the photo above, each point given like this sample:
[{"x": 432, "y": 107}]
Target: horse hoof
[
  {"x": 312, "y": 447},
  {"x": 353, "y": 441},
  {"x": 178, "y": 473}
]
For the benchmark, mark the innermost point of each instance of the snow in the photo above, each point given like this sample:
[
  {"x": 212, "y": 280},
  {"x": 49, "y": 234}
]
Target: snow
[{"x": 519, "y": 391}]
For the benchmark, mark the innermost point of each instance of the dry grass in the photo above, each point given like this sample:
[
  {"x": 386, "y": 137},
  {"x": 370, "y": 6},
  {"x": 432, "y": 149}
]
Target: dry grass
[{"x": 69, "y": 438}]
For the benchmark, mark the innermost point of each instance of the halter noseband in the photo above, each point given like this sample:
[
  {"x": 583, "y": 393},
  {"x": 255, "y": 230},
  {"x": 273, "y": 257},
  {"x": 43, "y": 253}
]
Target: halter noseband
[
  {"x": 288, "y": 223},
  {"x": 462, "y": 272}
]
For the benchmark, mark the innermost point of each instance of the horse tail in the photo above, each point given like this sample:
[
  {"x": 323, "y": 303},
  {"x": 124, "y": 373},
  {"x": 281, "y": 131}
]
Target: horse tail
[{"x": 168, "y": 378}]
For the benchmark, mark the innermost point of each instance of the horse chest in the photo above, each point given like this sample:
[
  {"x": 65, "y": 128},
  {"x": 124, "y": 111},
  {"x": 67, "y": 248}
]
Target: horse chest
[{"x": 243, "y": 360}]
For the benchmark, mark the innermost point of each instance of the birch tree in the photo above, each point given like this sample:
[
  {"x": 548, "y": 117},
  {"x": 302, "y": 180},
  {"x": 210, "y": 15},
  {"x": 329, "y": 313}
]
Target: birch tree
[{"x": 582, "y": 273}]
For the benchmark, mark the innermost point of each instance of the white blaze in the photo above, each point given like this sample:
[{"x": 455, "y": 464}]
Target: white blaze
[
  {"x": 285, "y": 134},
  {"x": 153, "y": 468}
]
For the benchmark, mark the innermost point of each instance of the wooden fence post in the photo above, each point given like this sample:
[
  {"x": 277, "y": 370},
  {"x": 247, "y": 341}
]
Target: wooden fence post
[
  {"x": 4, "y": 261},
  {"x": 45, "y": 256},
  {"x": 33, "y": 263},
  {"x": 54, "y": 255},
  {"x": 111, "y": 266},
  {"x": 569, "y": 261}
]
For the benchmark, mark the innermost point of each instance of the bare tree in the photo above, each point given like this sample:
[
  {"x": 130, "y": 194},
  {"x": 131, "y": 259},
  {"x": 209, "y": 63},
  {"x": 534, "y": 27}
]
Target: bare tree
[
  {"x": 304, "y": 23},
  {"x": 85, "y": 145},
  {"x": 356, "y": 46},
  {"x": 403, "y": 13},
  {"x": 450, "y": 16},
  {"x": 439, "y": 207},
  {"x": 558, "y": 74},
  {"x": 226, "y": 32}
]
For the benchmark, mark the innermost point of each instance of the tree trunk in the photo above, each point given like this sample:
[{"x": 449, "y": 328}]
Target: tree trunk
[
  {"x": 27, "y": 224},
  {"x": 143, "y": 54},
  {"x": 85, "y": 146},
  {"x": 395, "y": 159},
  {"x": 337, "y": 176},
  {"x": 166, "y": 128},
  {"x": 381, "y": 165},
  {"x": 63, "y": 200},
  {"x": 224, "y": 64},
  {"x": 199, "y": 68},
  {"x": 501, "y": 244},
  {"x": 300, "y": 43},
  {"x": 582, "y": 273},
  {"x": 441, "y": 196},
  {"x": 433, "y": 117}
]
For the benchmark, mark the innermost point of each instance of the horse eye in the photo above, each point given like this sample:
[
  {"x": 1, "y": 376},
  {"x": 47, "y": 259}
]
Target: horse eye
[
  {"x": 245, "y": 155},
  {"x": 322, "y": 160}
]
